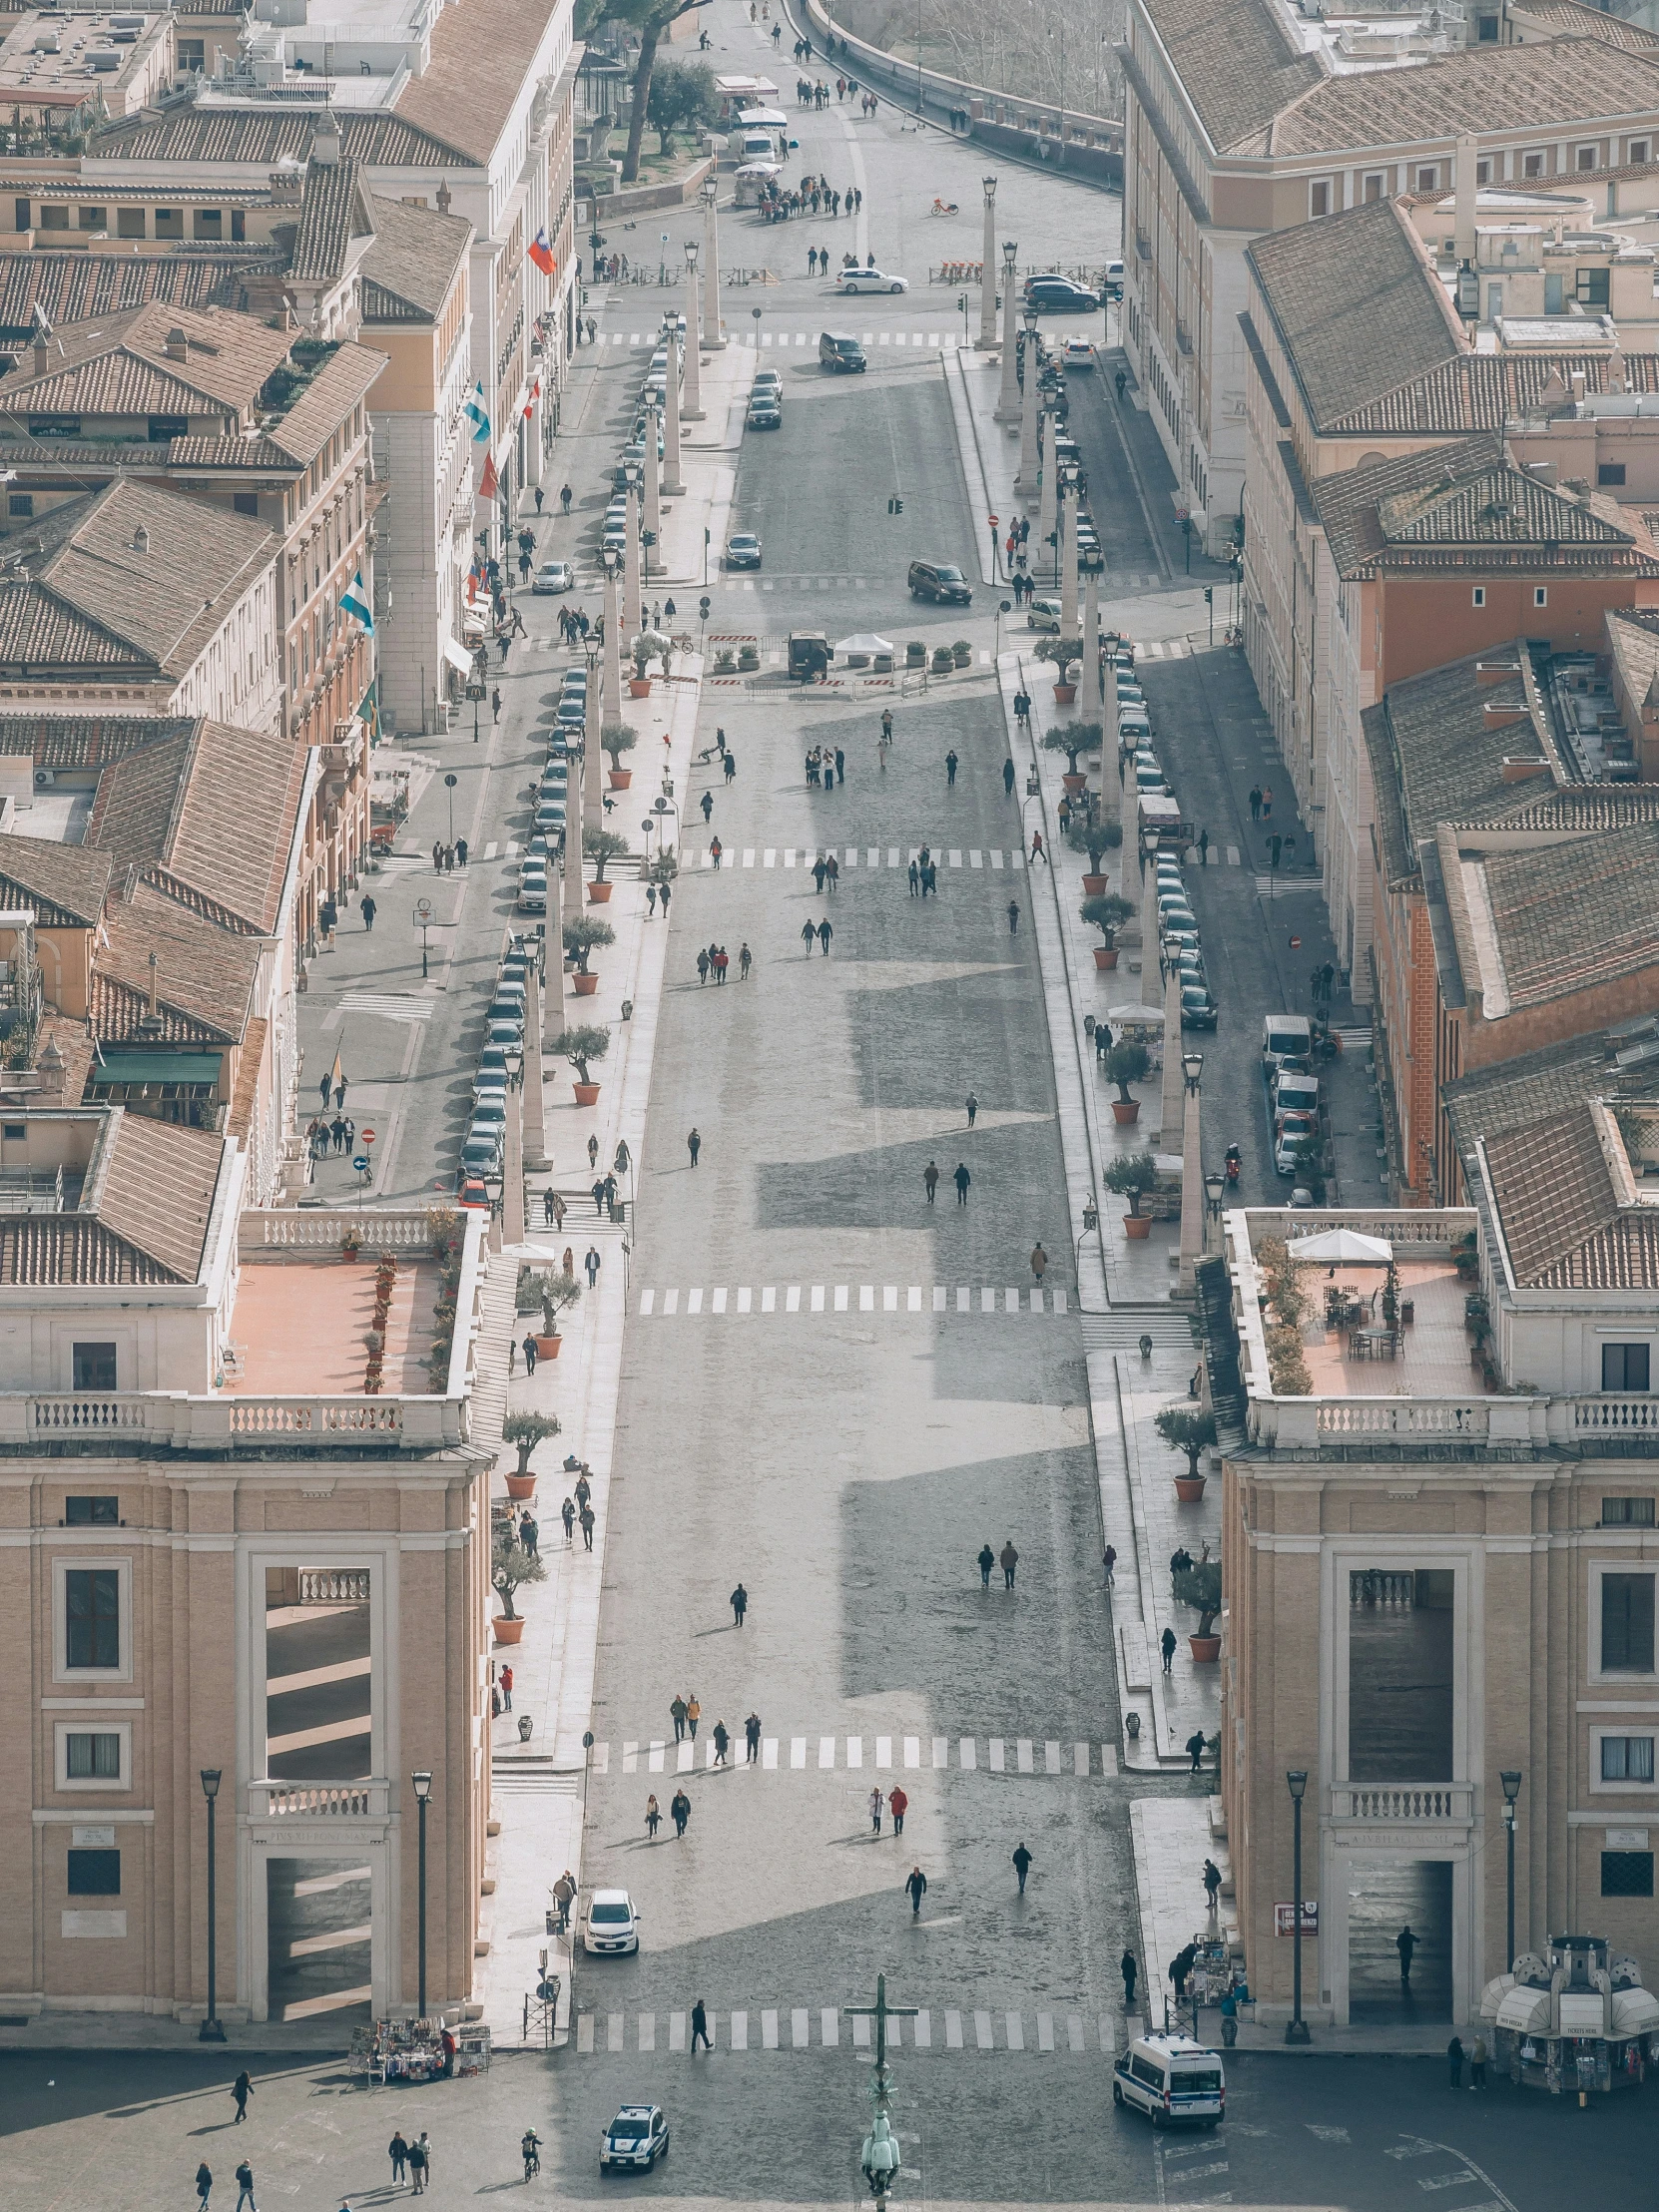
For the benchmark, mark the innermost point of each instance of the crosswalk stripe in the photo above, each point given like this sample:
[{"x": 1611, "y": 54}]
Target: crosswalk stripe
[
  {"x": 716, "y": 1302},
  {"x": 953, "y": 2031},
  {"x": 389, "y": 1006},
  {"x": 701, "y": 857}
]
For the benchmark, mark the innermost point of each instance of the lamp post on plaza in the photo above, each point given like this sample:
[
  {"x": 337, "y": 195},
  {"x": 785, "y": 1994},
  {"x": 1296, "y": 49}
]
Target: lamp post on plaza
[
  {"x": 672, "y": 486},
  {"x": 712, "y": 338},
  {"x": 1215, "y": 1189},
  {"x": 1066, "y": 490},
  {"x": 212, "y": 2030},
  {"x": 1192, "y": 1168},
  {"x": 1295, "y": 2032},
  {"x": 423, "y": 1790},
  {"x": 1026, "y": 481},
  {"x": 1007, "y": 398},
  {"x": 692, "y": 411},
  {"x": 653, "y": 496},
  {"x": 632, "y": 596},
  {"x": 987, "y": 272},
  {"x": 1511, "y": 1781}
]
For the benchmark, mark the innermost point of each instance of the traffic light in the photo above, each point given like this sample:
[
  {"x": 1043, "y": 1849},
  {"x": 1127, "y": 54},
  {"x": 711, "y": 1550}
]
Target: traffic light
[
  {"x": 1209, "y": 596},
  {"x": 896, "y": 507},
  {"x": 962, "y": 302},
  {"x": 703, "y": 605}
]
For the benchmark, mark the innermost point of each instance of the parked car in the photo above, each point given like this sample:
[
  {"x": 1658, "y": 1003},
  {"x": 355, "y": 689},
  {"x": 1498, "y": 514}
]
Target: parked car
[
  {"x": 610, "y": 1922},
  {"x": 852, "y": 281},
  {"x": 552, "y": 578},
  {"x": 637, "y": 2137},
  {"x": 1043, "y": 614},
  {"x": 1198, "y": 1010},
  {"x": 763, "y": 415},
  {"x": 1053, "y": 295},
  {"x": 1171, "y": 2078},
  {"x": 1078, "y": 353}
]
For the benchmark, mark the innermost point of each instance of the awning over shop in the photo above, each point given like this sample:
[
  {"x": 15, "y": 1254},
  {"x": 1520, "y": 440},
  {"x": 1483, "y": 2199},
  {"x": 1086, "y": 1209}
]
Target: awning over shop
[
  {"x": 118, "y": 1066},
  {"x": 460, "y": 658}
]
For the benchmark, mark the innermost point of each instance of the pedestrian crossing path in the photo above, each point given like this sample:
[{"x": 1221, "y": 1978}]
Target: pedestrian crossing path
[
  {"x": 1016, "y": 1755},
  {"x": 780, "y": 340},
  {"x": 849, "y": 856},
  {"x": 1075, "y": 2034},
  {"x": 849, "y": 1298},
  {"x": 1165, "y": 649},
  {"x": 389, "y": 1006}
]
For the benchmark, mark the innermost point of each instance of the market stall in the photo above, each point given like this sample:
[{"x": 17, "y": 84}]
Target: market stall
[
  {"x": 1573, "y": 2020},
  {"x": 420, "y": 2050}
]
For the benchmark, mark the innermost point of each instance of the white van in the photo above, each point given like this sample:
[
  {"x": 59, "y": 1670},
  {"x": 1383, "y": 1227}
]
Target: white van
[
  {"x": 752, "y": 145},
  {"x": 1173, "y": 2080},
  {"x": 1294, "y": 1093},
  {"x": 1285, "y": 1036}
]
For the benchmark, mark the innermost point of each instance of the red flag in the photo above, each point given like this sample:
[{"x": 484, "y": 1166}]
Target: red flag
[
  {"x": 530, "y": 404},
  {"x": 491, "y": 483},
  {"x": 541, "y": 253}
]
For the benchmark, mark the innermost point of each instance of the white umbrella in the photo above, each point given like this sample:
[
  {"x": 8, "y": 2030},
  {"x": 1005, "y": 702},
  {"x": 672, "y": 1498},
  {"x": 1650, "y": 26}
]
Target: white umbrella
[
  {"x": 866, "y": 642},
  {"x": 1344, "y": 1245},
  {"x": 765, "y": 119}
]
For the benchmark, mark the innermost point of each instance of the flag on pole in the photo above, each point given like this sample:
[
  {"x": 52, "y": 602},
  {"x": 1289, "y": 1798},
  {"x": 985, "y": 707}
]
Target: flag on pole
[
  {"x": 476, "y": 413},
  {"x": 491, "y": 483},
  {"x": 530, "y": 404},
  {"x": 354, "y": 601},
  {"x": 475, "y": 580},
  {"x": 541, "y": 251}
]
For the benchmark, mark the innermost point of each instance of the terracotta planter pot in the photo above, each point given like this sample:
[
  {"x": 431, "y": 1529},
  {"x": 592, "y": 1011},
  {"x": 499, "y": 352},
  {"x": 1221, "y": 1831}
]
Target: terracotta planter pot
[
  {"x": 1105, "y": 956},
  {"x": 506, "y": 1631},
  {"x": 521, "y": 1485},
  {"x": 349, "y": 1257},
  {"x": 586, "y": 985},
  {"x": 1189, "y": 1488},
  {"x": 620, "y": 777},
  {"x": 1126, "y": 1111},
  {"x": 1074, "y": 781},
  {"x": 1094, "y": 886},
  {"x": 547, "y": 1348},
  {"x": 587, "y": 1094},
  {"x": 599, "y": 894},
  {"x": 1064, "y": 694},
  {"x": 639, "y": 687},
  {"x": 1137, "y": 1227},
  {"x": 1206, "y": 1650}
]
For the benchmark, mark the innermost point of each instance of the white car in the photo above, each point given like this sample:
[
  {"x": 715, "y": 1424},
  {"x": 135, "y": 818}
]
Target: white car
[
  {"x": 552, "y": 578},
  {"x": 743, "y": 550},
  {"x": 1043, "y": 614},
  {"x": 852, "y": 281},
  {"x": 1078, "y": 353},
  {"x": 610, "y": 1923}
]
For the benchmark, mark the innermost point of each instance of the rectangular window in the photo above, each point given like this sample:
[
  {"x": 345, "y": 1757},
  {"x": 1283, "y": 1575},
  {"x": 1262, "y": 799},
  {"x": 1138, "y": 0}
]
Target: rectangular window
[
  {"x": 97, "y": 1756},
  {"x": 129, "y": 223},
  {"x": 1483, "y": 172},
  {"x": 97, "y": 1874},
  {"x": 92, "y": 1512},
  {"x": 54, "y": 219},
  {"x": 1372, "y": 187},
  {"x": 208, "y": 223},
  {"x": 163, "y": 427},
  {"x": 1318, "y": 199},
  {"x": 1540, "y": 595},
  {"x": 1487, "y": 30},
  {"x": 239, "y": 225},
  {"x": 1609, "y": 472},
  {"x": 92, "y": 1367},
  {"x": 1478, "y": 597},
  {"x": 1595, "y": 288},
  {"x": 193, "y": 54},
  {"x": 1624, "y": 1873},
  {"x": 246, "y": 502},
  {"x": 1532, "y": 164},
  {"x": 1624, "y": 1367},
  {"x": 92, "y": 1605},
  {"x": 20, "y": 504},
  {"x": 1428, "y": 179},
  {"x": 1587, "y": 158},
  {"x": 1627, "y": 1512},
  {"x": 1639, "y": 149},
  {"x": 93, "y": 219},
  {"x": 1627, "y": 1624},
  {"x": 23, "y": 215},
  {"x": 1627, "y": 1759},
  {"x": 170, "y": 223}
]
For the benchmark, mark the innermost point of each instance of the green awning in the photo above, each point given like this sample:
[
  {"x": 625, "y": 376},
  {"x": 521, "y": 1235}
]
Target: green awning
[{"x": 119, "y": 1066}]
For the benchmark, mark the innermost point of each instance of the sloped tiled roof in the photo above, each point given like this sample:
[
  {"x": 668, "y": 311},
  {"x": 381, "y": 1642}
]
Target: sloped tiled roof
[
  {"x": 1573, "y": 16},
  {"x": 1568, "y": 917},
  {"x": 1554, "y": 1192},
  {"x": 481, "y": 53},
  {"x": 1356, "y": 304},
  {"x": 1434, "y": 760},
  {"x": 258, "y": 137},
  {"x": 157, "y": 1191},
  {"x": 70, "y": 287},
  {"x": 346, "y": 377},
  {"x": 65, "y": 883},
  {"x": 205, "y": 976},
  {"x": 38, "y": 631},
  {"x": 119, "y": 364},
  {"x": 1237, "y": 61},
  {"x": 407, "y": 273},
  {"x": 1483, "y": 391},
  {"x": 1529, "y": 1088},
  {"x": 332, "y": 212}
]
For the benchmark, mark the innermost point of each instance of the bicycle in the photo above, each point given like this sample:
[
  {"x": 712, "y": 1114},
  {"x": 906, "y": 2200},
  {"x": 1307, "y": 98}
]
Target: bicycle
[{"x": 532, "y": 2160}]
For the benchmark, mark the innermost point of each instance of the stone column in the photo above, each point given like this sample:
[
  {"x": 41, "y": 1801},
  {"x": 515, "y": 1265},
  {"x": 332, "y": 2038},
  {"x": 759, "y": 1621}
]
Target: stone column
[
  {"x": 512, "y": 1167},
  {"x": 598, "y": 711},
  {"x": 535, "y": 1111},
  {"x": 1191, "y": 1189},
  {"x": 653, "y": 501},
  {"x": 1066, "y": 499},
  {"x": 692, "y": 408},
  {"x": 1047, "y": 508},
  {"x": 560, "y": 912},
  {"x": 1112, "y": 805},
  {"x": 1171, "y": 1105},
  {"x": 1090, "y": 692},
  {"x": 987, "y": 272},
  {"x": 673, "y": 486},
  {"x": 1152, "y": 986},
  {"x": 632, "y": 617},
  {"x": 1025, "y": 483},
  {"x": 610, "y": 689},
  {"x": 711, "y": 336},
  {"x": 1007, "y": 399}
]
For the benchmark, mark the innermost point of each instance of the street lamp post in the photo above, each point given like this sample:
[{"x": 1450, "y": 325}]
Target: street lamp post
[
  {"x": 631, "y": 612},
  {"x": 423, "y": 1790},
  {"x": 1192, "y": 1165},
  {"x": 1296, "y": 1781},
  {"x": 987, "y": 271},
  {"x": 1067, "y": 518},
  {"x": 212, "y": 2030},
  {"x": 1048, "y": 499},
  {"x": 1007, "y": 398},
  {"x": 673, "y": 486},
  {"x": 1215, "y": 1189},
  {"x": 1026, "y": 481},
  {"x": 712, "y": 338},
  {"x": 1511, "y": 1781},
  {"x": 692, "y": 411},
  {"x": 652, "y": 496}
]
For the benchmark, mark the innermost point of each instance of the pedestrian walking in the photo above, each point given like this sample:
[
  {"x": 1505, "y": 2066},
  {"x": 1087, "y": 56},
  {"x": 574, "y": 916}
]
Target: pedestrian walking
[
  {"x": 528, "y": 1348},
  {"x": 367, "y": 908},
  {"x": 676, "y": 1714},
  {"x": 824, "y": 933},
  {"x": 1008, "y": 1560},
  {"x": 739, "y": 1605},
  {"x": 397, "y": 2150},
  {"x": 1130, "y": 1972},
  {"x": 1109, "y": 1560},
  {"x": 1037, "y": 851},
  {"x": 961, "y": 1179},
  {"x": 1267, "y": 802},
  {"x": 809, "y": 930},
  {"x": 650, "y": 901},
  {"x": 652, "y": 1817},
  {"x": 694, "y": 1145},
  {"x": 915, "y": 881},
  {"x": 244, "y": 2185},
  {"x": 722, "y": 1740},
  {"x": 1166, "y": 1644},
  {"x": 1211, "y": 1878},
  {"x": 1039, "y": 1262},
  {"x": 1204, "y": 849},
  {"x": 731, "y": 765},
  {"x": 1180, "y": 1967},
  {"x": 420, "y": 2160},
  {"x": 1406, "y": 1944},
  {"x": 1009, "y": 777},
  {"x": 679, "y": 1812},
  {"x": 707, "y": 802},
  {"x": 694, "y": 1713},
  {"x": 567, "y": 1514},
  {"x": 915, "y": 1883},
  {"x": 1013, "y": 917},
  {"x": 1478, "y": 2063},
  {"x": 203, "y": 2183},
  {"x": 752, "y": 1738},
  {"x": 700, "y": 2027},
  {"x": 586, "y": 1517},
  {"x": 950, "y": 766},
  {"x": 987, "y": 1560},
  {"x": 592, "y": 1263},
  {"x": 745, "y": 960},
  {"x": 716, "y": 852},
  {"x": 898, "y": 1804},
  {"x": 529, "y": 1532},
  {"x": 1454, "y": 2064},
  {"x": 593, "y": 1153},
  {"x": 930, "y": 1179},
  {"x": 495, "y": 697},
  {"x": 1194, "y": 1750},
  {"x": 505, "y": 1679},
  {"x": 886, "y": 724},
  {"x": 821, "y": 868},
  {"x": 1255, "y": 802},
  {"x": 1229, "y": 2010},
  {"x": 241, "y": 2090},
  {"x": 1023, "y": 1865},
  {"x": 972, "y": 1104},
  {"x": 833, "y": 874},
  {"x": 878, "y": 1804},
  {"x": 704, "y": 963}
]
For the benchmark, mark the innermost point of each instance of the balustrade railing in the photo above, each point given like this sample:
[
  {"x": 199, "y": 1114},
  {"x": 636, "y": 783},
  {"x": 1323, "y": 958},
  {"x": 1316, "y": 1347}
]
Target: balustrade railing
[{"x": 1403, "y": 1800}]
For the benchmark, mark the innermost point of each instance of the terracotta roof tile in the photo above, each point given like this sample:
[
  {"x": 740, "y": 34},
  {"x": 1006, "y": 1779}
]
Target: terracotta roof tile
[
  {"x": 258, "y": 139},
  {"x": 407, "y": 273},
  {"x": 481, "y": 53},
  {"x": 1236, "y": 60},
  {"x": 66, "y": 884},
  {"x": 205, "y": 976},
  {"x": 332, "y": 212},
  {"x": 1553, "y": 1191},
  {"x": 157, "y": 1192},
  {"x": 1569, "y": 916},
  {"x": 72, "y": 287}
]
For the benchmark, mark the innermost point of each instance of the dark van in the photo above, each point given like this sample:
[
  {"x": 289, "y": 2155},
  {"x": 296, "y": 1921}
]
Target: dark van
[{"x": 841, "y": 353}]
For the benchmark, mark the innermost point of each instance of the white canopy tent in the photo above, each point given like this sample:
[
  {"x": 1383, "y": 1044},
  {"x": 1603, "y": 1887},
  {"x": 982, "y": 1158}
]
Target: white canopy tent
[{"x": 1344, "y": 1245}]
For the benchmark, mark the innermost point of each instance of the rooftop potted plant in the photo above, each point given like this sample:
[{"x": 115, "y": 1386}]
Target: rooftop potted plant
[
  {"x": 526, "y": 1430},
  {"x": 616, "y": 739},
  {"x": 749, "y": 658},
  {"x": 584, "y": 935},
  {"x": 1107, "y": 913},
  {"x": 602, "y": 847},
  {"x": 581, "y": 1047},
  {"x": 1132, "y": 1175},
  {"x": 943, "y": 659},
  {"x": 1200, "y": 1587},
  {"x": 1185, "y": 1428},
  {"x": 1127, "y": 1063},
  {"x": 350, "y": 1243},
  {"x": 1074, "y": 738},
  {"x": 915, "y": 654},
  {"x": 961, "y": 652},
  {"x": 510, "y": 1568},
  {"x": 725, "y": 659}
]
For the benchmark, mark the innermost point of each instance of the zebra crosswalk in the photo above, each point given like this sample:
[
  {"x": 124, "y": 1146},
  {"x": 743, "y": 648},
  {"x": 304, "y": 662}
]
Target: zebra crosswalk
[
  {"x": 1081, "y": 1760},
  {"x": 1083, "y": 2033},
  {"x": 849, "y": 856},
  {"x": 674, "y": 1301},
  {"x": 780, "y": 340},
  {"x": 388, "y": 1005}
]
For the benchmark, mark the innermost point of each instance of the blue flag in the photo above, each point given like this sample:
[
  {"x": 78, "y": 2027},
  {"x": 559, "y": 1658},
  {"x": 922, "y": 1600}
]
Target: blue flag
[
  {"x": 354, "y": 601},
  {"x": 476, "y": 413}
]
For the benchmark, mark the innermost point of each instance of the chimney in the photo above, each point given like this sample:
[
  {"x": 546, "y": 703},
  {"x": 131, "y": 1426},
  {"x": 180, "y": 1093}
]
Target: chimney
[
  {"x": 43, "y": 356},
  {"x": 1522, "y": 771},
  {"x": 1578, "y": 388},
  {"x": 50, "y": 1068},
  {"x": 1495, "y": 671},
  {"x": 141, "y": 539},
  {"x": 178, "y": 347},
  {"x": 1466, "y": 200},
  {"x": 325, "y": 139},
  {"x": 152, "y": 967}
]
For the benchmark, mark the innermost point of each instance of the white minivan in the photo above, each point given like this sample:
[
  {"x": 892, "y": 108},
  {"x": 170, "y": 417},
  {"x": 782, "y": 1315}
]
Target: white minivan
[
  {"x": 1173, "y": 2080},
  {"x": 1285, "y": 1037}
]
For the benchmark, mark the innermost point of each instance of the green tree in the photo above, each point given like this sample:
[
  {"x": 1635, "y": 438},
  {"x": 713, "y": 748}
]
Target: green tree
[
  {"x": 1131, "y": 1174},
  {"x": 1126, "y": 1064},
  {"x": 527, "y": 1430},
  {"x": 615, "y": 739},
  {"x": 1200, "y": 1586},
  {"x": 1074, "y": 738},
  {"x": 585, "y": 935},
  {"x": 682, "y": 98},
  {"x": 1185, "y": 1430},
  {"x": 1107, "y": 913},
  {"x": 602, "y": 847},
  {"x": 511, "y": 1567},
  {"x": 649, "y": 19},
  {"x": 580, "y": 1046}
]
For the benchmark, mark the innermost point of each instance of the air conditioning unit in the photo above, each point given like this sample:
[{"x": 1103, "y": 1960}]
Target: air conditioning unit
[{"x": 44, "y": 778}]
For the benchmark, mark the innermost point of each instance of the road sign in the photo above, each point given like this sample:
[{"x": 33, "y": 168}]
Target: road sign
[
  {"x": 993, "y": 520},
  {"x": 451, "y": 781},
  {"x": 423, "y": 909},
  {"x": 365, "y": 1136},
  {"x": 361, "y": 1163}
]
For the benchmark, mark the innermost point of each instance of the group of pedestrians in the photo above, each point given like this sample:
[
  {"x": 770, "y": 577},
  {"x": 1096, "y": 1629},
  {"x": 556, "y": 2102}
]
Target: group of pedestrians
[
  {"x": 961, "y": 1179},
  {"x": 1007, "y": 1559},
  {"x": 825, "y": 766},
  {"x": 826, "y": 872},
  {"x": 714, "y": 961},
  {"x": 820, "y": 931}
]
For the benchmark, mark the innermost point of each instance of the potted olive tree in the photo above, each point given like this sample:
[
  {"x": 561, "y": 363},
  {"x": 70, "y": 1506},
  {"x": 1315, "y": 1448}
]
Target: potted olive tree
[
  {"x": 616, "y": 739},
  {"x": 526, "y": 1430},
  {"x": 602, "y": 847},
  {"x": 1127, "y": 1063},
  {"x": 1074, "y": 738},
  {"x": 510, "y": 1568},
  {"x": 581, "y": 1047},
  {"x": 645, "y": 651},
  {"x": 1107, "y": 913},
  {"x": 584, "y": 935},
  {"x": 1063, "y": 651},
  {"x": 1185, "y": 1428},
  {"x": 558, "y": 1292},
  {"x": 1200, "y": 1587},
  {"x": 1097, "y": 838},
  {"x": 1132, "y": 1176}
]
